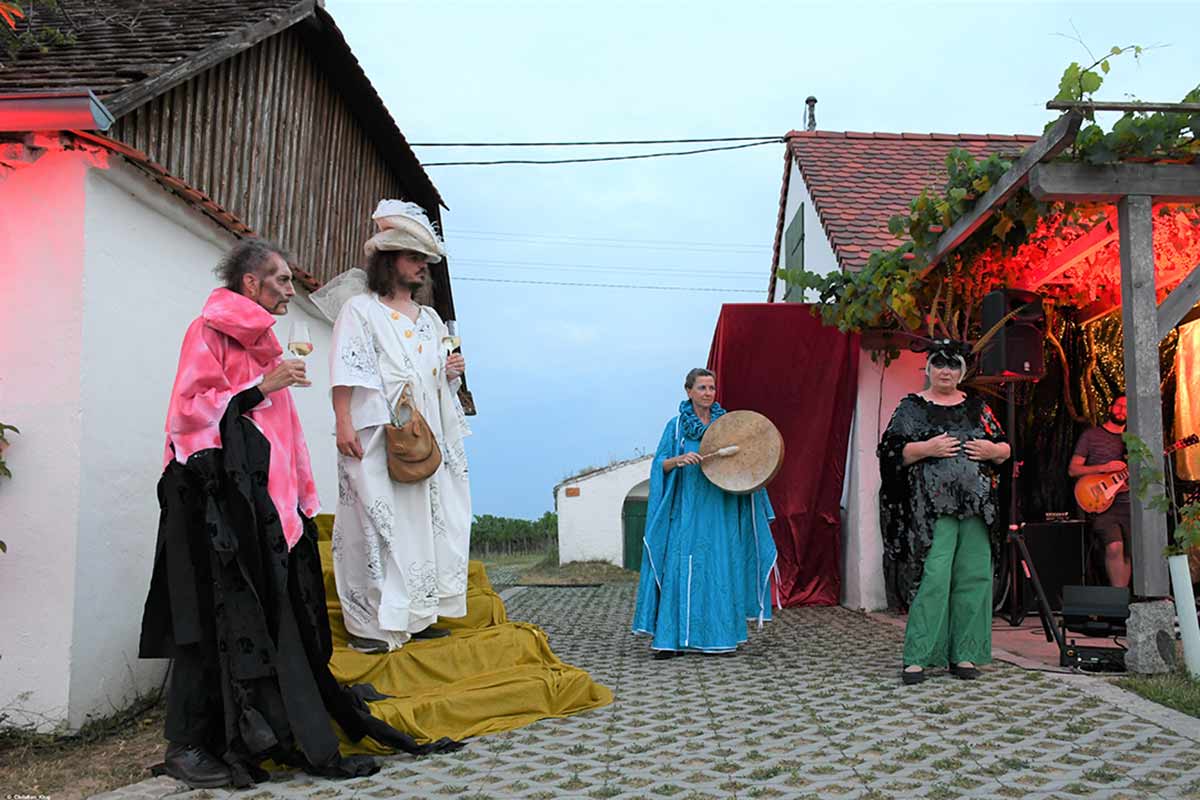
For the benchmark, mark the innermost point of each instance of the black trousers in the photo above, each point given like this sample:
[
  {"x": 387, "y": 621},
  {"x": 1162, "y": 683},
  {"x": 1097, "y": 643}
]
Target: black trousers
[{"x": 195, "y": 713}]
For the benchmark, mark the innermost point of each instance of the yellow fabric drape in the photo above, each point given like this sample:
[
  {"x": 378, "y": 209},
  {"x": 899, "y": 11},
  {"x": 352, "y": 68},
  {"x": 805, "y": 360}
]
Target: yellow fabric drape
[
  {"x": 1187, "y": 399},
  {"x": 489, "y": 675}
]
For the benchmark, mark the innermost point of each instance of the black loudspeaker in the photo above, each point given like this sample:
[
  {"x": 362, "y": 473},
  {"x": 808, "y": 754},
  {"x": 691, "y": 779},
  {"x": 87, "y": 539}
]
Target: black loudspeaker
[
  {"x": 1095, "y": 610},
  {"x": 1059, "y": 554},
  {"x": 1016, "y": 351}
]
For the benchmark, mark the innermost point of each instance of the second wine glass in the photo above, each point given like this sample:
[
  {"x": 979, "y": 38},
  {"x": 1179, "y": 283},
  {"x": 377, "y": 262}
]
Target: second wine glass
[{"x": 451, "y": 341}]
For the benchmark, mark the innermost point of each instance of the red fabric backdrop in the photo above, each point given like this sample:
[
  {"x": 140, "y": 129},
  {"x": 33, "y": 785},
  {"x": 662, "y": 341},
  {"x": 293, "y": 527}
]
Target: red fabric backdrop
[{"x": 779, "y": 360}]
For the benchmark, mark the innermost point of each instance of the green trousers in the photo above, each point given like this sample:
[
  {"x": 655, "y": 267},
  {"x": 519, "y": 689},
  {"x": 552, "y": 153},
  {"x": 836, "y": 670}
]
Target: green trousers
[{"x": 951, "y": 617}]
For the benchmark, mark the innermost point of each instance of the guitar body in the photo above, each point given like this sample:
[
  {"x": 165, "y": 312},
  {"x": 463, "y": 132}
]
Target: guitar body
[{"x": 1095, "y": 493}]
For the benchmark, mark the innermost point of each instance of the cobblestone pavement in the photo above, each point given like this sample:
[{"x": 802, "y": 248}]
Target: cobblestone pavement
[{"x": 811, "y": 708}]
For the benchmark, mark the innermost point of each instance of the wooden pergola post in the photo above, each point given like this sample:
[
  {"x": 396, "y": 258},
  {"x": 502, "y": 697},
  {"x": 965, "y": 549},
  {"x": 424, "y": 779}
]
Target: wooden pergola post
[
  {"x": 1139, "y": 317},
  {"x": 1134, "y": 188}
]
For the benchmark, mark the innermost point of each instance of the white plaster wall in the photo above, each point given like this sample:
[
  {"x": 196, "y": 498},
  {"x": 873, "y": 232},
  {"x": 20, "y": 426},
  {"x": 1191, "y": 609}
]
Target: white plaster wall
[
  {"x": 313, "y": 402},
  {"x": 818, "y": 253},
  {"x": 879, "y": 392},
  {"x": 41, "y": 318},
  {"x": 149, "y": 260},
  {"x": 589, "y": 526}
]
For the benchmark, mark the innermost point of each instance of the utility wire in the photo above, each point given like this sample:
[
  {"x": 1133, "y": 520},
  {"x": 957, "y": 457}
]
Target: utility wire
[
  {"x": 609, "y": 285},
  {"x": 599, "y": 241},
  {"x": 601, "y": 158},
  {"x": 619, "y": 245},
  {"x": 593, "y": 144},
  {"x": 749, "y": 246},
  {"x": 556, "y": 265}
]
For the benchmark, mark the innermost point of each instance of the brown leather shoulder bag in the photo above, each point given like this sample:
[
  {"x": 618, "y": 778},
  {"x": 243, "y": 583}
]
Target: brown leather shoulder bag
[{"x": 412, "y": 451}]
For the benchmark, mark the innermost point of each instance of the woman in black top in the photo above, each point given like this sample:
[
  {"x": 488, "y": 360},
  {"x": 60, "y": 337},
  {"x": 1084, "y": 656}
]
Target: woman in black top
[{"x": 938, "y": 459}]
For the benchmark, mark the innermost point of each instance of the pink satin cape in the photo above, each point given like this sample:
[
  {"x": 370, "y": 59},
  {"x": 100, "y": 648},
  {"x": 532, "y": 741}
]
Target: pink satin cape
[{"x": 227, "y": 350}]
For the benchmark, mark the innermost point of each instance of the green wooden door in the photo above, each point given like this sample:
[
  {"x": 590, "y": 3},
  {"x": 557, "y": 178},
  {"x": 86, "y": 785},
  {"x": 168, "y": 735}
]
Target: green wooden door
[{"x": 633, "y": 521}]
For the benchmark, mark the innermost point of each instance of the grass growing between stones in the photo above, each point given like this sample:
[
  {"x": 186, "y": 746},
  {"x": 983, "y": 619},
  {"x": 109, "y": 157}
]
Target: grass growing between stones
[{"x": 1176, "y": 690}]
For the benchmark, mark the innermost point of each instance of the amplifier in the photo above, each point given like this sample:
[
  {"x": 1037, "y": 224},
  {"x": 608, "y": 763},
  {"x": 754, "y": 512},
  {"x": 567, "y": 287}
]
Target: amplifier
[{"x": 1059, "y": 554}]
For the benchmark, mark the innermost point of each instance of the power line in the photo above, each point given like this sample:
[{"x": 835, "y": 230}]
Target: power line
[
  {"x": 628, "y": 245},
  {"x": 610, "y": 285},
  {"x": 601, "y": 158},
  {"x": 558, "y": 266},
  {"x": 594, "y": 144},
  {"x": 570, "y": 239}
]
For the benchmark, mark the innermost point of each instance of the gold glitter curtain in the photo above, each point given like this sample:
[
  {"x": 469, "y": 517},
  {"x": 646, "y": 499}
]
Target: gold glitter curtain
[{"x": 1085, "y": 370}]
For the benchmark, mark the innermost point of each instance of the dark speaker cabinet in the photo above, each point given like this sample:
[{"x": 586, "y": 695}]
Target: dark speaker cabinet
[
  {"x": 1016, "y": 351},
  {"x": 1059, "y": 553}
]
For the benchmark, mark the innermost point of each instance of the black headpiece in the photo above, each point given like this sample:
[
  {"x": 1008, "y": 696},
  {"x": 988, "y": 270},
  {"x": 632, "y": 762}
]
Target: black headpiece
[{"x": 950, "y": 348}]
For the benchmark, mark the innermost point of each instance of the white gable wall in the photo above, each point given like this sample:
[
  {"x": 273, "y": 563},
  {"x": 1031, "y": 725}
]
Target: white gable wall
[
  {"x": 41, "y": 318},
  {"x": 862, "y": 541},
  {"x": 149, "y": 261},
  {"x": 103, "y": 271},
  {"x": 590, "y": 525},
  {"x": 818, "y": 253}
]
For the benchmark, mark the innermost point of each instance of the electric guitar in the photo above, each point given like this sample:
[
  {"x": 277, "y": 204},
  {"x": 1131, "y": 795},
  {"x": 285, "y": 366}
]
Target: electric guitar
[{"x": 1095, "y": 493}]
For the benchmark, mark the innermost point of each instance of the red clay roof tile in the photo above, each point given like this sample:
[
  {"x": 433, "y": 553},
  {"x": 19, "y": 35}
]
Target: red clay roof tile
[{"x": 858, "y": 180}]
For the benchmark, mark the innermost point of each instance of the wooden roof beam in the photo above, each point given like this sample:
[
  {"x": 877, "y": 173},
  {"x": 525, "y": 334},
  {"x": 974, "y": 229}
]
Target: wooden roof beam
[
  {"x": 1083, "y": 182},
  {"x": 1133, "y": 105},
  {"x": 1078, "y": 250},
  {"x": 1178, "y": 303},
  {"x": 1094, "y": 311},
  {"x": 1054, "y": 141},
  {"x": 1171, "y": 311}
]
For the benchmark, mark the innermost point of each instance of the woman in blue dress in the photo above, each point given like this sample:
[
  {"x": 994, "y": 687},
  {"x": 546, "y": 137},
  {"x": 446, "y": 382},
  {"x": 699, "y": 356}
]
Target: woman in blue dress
[{"x": 707, "y": 554}]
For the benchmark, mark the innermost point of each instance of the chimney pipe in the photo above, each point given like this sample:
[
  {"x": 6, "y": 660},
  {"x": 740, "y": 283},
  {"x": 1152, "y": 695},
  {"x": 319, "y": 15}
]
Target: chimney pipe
[{"x": 810, "y": 121}]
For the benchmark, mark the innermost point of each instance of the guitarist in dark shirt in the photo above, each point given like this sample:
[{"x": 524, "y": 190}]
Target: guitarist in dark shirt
[{"x": 1102, "y": 450}]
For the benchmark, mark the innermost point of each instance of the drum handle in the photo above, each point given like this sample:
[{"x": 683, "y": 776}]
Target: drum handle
[{"x": 724, "y": 452}]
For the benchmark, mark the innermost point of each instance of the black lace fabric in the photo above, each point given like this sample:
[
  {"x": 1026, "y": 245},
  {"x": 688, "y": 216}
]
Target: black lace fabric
[{"x": 913, "y": 497}]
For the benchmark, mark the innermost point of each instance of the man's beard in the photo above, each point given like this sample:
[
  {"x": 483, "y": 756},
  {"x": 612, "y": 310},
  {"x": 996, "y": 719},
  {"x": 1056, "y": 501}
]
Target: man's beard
[
  {"x": 418, "y": 283},
  {"x": 272, "y": 302},
  {"x": 1116, "y": 420}
]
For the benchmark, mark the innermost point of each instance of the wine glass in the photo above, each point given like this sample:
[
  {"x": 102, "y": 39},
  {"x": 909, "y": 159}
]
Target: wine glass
[
  {"x": 451, "y": 341},
  {"x": 299, "y": 339}
]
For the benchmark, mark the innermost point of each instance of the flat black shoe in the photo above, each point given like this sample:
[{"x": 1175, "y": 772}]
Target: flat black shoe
[
  {"x": 910, "y": 678},
  {"x": 662, "y": 655},
  {"x": 965, "y": 673},
  {"x": 372, "y": 647},
  {"x": 195, "y": 766},
  {"x": 431, "y": 633}
]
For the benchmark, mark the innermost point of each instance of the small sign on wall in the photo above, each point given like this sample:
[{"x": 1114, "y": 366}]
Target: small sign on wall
[{"x": 572, "y": 491}]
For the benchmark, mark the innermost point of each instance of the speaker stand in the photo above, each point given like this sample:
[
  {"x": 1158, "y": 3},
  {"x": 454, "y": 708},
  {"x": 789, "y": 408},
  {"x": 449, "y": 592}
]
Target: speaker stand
[{"x": 1019, "y": 560}]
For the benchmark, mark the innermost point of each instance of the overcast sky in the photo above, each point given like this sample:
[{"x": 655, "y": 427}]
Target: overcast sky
[{"x": 568, "y": 377}]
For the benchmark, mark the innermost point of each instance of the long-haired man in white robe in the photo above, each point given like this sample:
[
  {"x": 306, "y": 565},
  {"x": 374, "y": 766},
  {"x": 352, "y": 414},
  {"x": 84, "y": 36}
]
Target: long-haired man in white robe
[{"x": 400, "y": 549}]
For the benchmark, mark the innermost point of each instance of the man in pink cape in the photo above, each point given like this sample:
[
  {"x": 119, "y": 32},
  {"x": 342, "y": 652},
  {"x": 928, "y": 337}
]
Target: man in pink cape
[{"x": 237, "y": 597}]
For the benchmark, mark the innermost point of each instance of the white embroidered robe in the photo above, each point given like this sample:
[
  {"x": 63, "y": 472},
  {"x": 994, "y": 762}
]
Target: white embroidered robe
[{"x": 400, "y": 549}]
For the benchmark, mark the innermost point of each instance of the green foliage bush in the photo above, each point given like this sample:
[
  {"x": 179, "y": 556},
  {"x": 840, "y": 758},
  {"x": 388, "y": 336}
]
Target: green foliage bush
[{"x": 493, "y": 536}]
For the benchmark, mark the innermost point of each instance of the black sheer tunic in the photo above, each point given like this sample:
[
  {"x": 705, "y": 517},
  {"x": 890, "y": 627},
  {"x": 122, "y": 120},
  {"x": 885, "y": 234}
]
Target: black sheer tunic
[
  {"x": 912, "y": 498},
  {"x": 226, "y": 587}
]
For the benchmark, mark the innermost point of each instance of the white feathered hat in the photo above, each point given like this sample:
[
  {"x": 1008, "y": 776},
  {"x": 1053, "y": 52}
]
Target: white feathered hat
[{"x": 405, "y": 226}]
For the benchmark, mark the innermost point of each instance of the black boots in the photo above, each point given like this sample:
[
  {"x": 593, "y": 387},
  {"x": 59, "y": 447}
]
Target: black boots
[
  {"x": 431, "y": 633},
  {"x": 372, "y": 647},
  {"x": 195, "y": 766}
]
